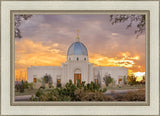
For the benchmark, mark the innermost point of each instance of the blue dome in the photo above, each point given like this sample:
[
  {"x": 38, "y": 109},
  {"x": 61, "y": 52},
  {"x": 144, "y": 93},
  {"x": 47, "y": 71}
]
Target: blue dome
[{"x": 77, "y": 48}]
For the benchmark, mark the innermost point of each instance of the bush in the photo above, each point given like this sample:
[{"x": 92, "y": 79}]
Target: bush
[
  {"x": 58, "y": 84},
  {"x": 96, "y": 96},
  {"x": 135, "y": 96},
  {"x": 33, "y": 98},
  {"x": 84, "y": 92},
  {"x": 26, "y": 85},
  {"x": 131, "y": 96},
  {"x": 42, "y": 87},
  {"x": 30, "y": 85},
  {"x": 104, "y": 90},
  {"x": 39, "y": 93},
  {"x": 132, "y": 80},
  {"x": 72, "y": 92},
  {"x": 107, "y": 79}
]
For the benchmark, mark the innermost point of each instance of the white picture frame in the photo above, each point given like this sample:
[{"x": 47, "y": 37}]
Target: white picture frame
[{"x": 8, "y": 109}]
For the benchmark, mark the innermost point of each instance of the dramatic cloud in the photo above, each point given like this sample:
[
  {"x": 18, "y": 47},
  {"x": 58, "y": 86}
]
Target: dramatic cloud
[{"x": 46, "y": 39}]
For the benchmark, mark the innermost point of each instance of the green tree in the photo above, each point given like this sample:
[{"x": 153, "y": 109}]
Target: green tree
[
  {"x": 139, "y": 20},
  {"x": 26, "y": 85},
  {"x": 107, "y": 79},
  {"x": 132, "y": 80},
  {"x": 17, "y": 86},
  {"x": 99, "y": 79},
  {"x": 22, "y": 87},
  {"x": 47, "y": 79}
]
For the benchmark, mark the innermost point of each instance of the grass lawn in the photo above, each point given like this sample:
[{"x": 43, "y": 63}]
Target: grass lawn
[
  {"x": 27, "y": 92},
  {"x": 126, "y": 87}
]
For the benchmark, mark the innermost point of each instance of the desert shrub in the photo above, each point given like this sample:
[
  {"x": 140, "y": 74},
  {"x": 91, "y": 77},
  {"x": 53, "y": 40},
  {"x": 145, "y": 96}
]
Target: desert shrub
[
  {"x": 104, "y": 90},
  {"x": 85, "y": 92},
  {"x": 30, "y": 85},
  {"x": 72, "y": 92},
  {"x": 59, "y": 85},
  {"x": 135, "y": 96},
  {"x": 109, "y": 98},
  {"x": 92, "y": 87},
  {"x": 67, "y": 98},
  {"x": 42, "y": 87},
  {"x": 131, "y": 96},
  {"x": 44, "y": 97},
  {"x": 119, "y": 97},
  {"x": 39, "y": 92},
  {"x": 96, "y": 96},
  {"x": 33, "y": 98}
]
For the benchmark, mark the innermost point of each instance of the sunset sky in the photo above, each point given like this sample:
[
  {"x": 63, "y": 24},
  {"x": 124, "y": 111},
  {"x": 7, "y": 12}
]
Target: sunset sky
[{"x": 46, "y": 39}]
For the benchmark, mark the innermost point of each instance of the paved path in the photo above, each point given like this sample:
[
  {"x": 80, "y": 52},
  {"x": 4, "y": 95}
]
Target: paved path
[
  {"x": 113, "y": 92},
  {"x": 23, "y": 98}
]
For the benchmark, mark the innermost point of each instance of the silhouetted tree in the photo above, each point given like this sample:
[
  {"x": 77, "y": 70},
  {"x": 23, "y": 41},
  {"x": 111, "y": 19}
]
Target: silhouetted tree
[
  {"x": 17, "y": 22},
  {"x": 139, "y": 19},
  {"x": 132, "y": 80}
]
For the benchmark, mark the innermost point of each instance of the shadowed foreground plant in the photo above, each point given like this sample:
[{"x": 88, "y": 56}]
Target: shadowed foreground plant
[
  {"x": 84, "y": 92},
  {"x": 131, "y": 96},
  {"x": 72, "y": 92}
]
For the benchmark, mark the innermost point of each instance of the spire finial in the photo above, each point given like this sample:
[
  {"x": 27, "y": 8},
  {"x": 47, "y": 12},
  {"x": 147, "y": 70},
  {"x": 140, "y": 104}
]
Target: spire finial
[{"x": 78, "y": 33}]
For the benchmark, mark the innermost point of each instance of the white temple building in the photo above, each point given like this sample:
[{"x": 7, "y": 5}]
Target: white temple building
[{"x": 76, "y": 67}]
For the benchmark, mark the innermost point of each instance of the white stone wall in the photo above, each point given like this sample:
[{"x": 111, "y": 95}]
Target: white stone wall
[
  {"x": 67, "y": 70},
  {"x": 115, "y": 72},
  {"x": 41, "y": 71},
  {"x": 90, "y": 72}
]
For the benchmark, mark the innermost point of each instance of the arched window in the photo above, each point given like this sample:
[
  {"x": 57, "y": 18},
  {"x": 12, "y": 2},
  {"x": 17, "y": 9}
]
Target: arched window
[
  {"x": 77, "y": 59},
  {"x": 58, "y": 82},
  {"x": 35, "y": 80}
]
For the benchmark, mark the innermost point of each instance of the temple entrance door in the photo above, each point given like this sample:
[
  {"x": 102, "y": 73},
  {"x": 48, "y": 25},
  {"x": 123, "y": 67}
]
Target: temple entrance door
[{"x": 77, "y": 77}]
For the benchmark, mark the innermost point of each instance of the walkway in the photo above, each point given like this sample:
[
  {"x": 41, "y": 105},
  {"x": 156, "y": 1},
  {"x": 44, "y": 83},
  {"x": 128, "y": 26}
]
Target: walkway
[
  {"x": 23, "y": 98},
  {"x": 113, "y": 92}
]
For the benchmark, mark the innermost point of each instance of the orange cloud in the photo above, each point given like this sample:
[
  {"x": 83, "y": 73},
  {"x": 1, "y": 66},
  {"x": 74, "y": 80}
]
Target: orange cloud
[
  {"x": 29, "y": 53},
  {"x": 122, "y": 60},
  {"x": 115, "y": 61}
]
